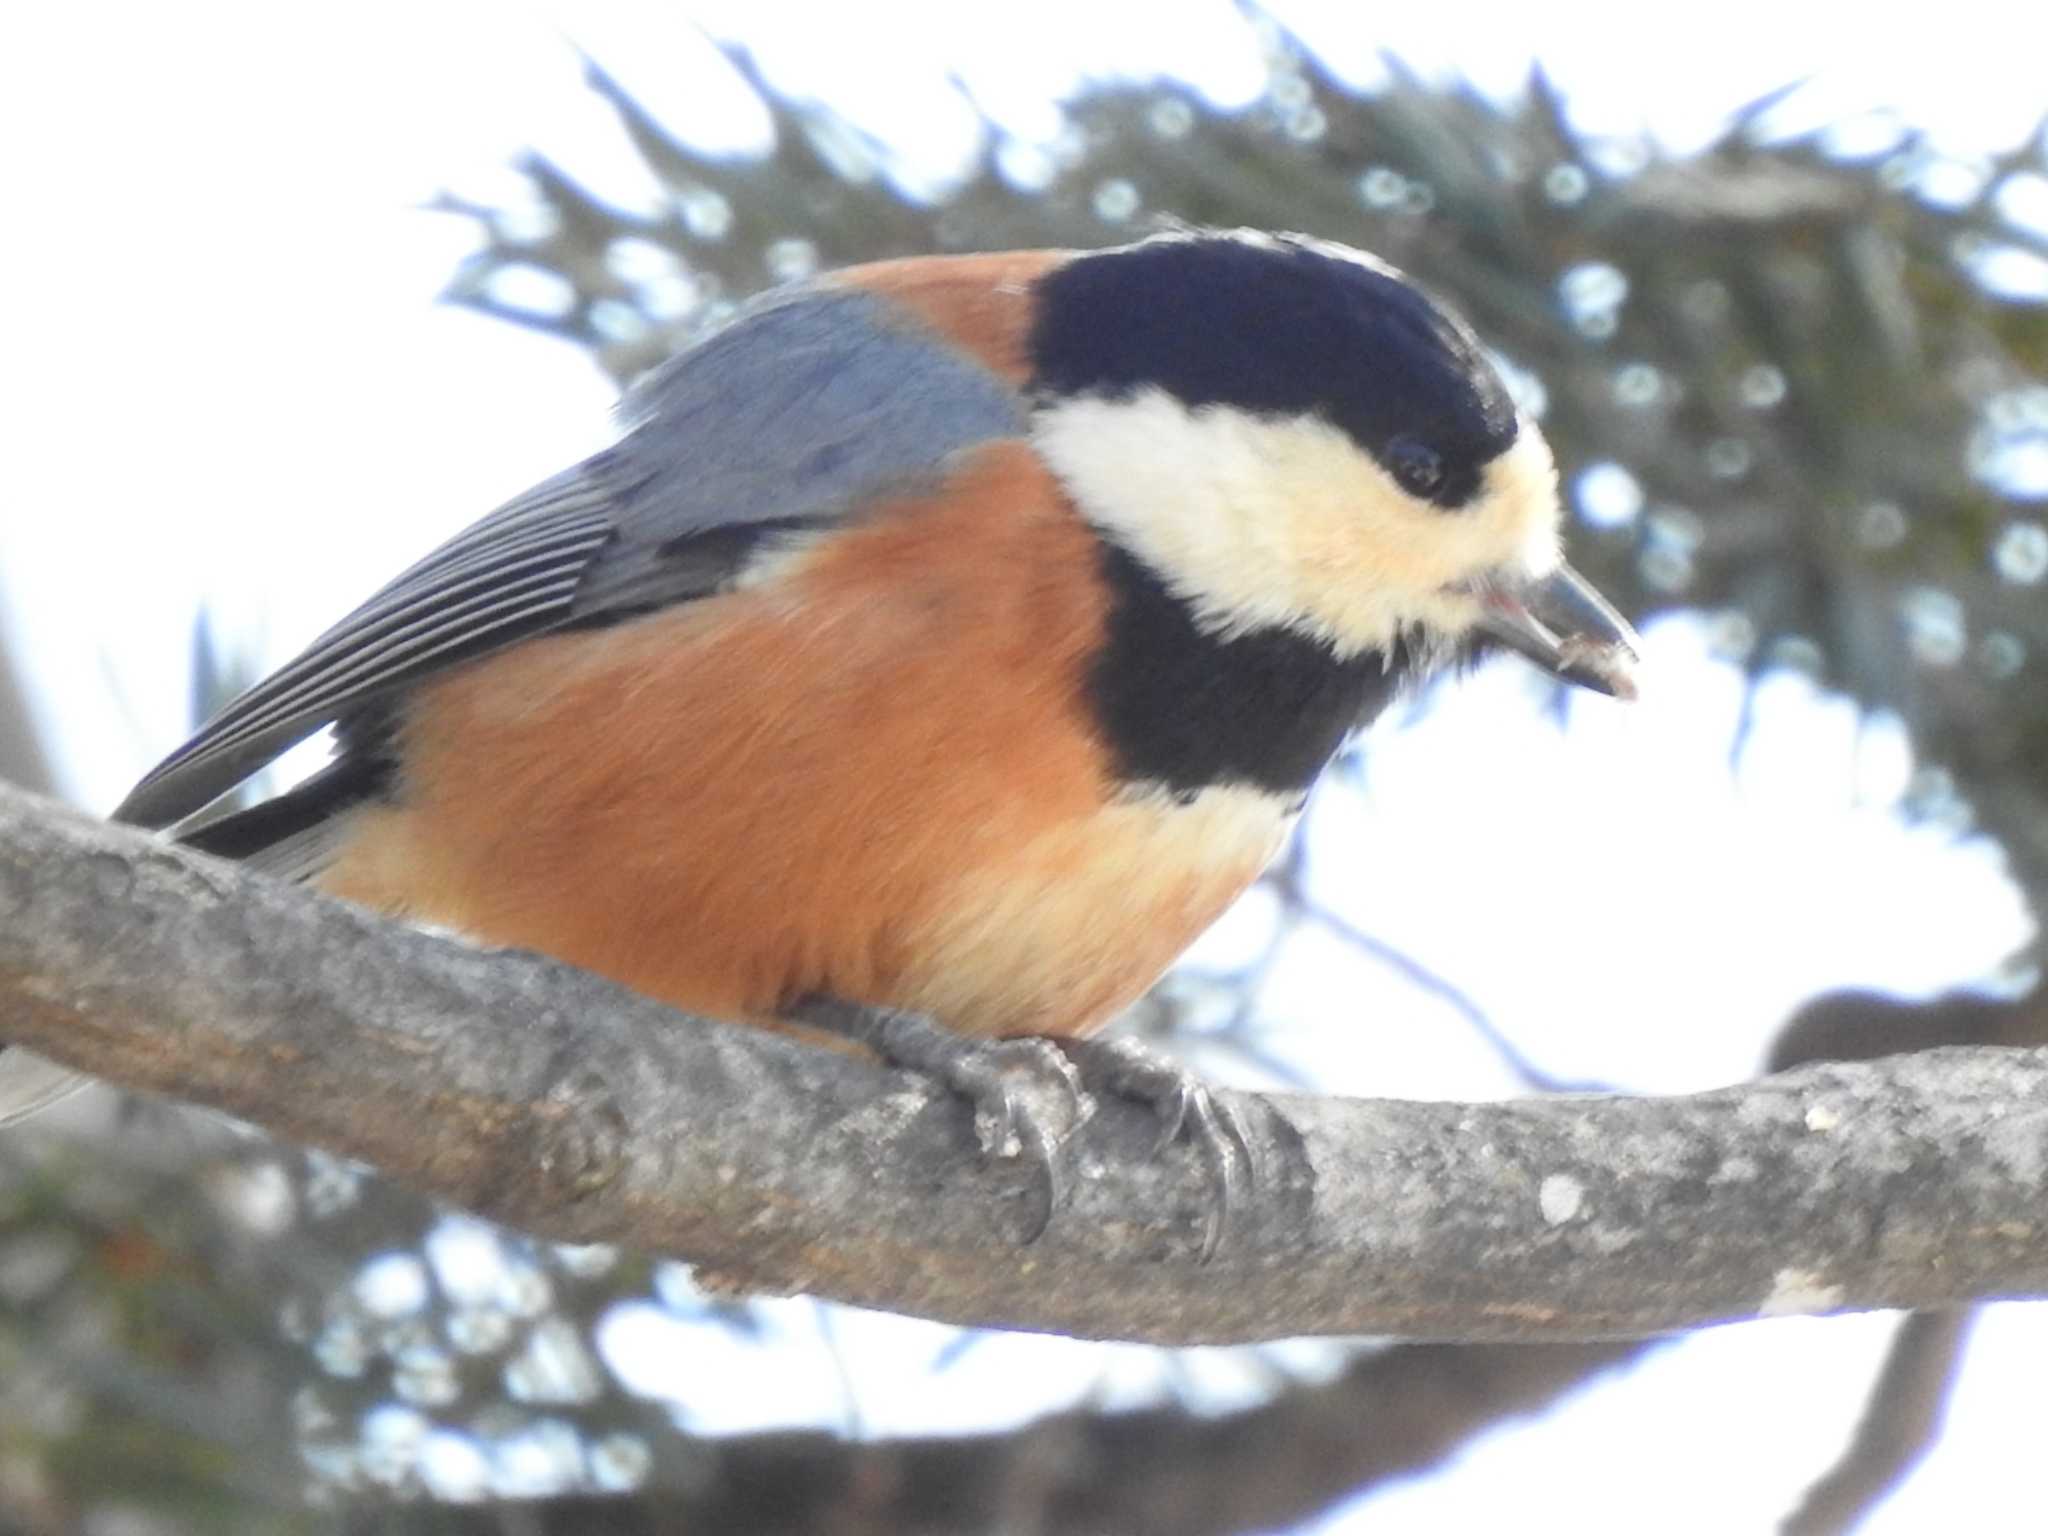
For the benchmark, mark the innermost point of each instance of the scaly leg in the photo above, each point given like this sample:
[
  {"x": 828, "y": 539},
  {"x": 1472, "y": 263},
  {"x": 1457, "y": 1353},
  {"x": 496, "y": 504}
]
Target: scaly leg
[{"x": 995, "y": 1076}]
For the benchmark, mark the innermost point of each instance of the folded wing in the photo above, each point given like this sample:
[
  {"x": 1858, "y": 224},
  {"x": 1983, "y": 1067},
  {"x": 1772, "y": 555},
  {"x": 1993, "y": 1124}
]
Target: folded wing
[{"x": 808, "y": 407}]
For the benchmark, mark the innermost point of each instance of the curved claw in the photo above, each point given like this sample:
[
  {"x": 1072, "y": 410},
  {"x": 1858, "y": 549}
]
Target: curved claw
[
  {"x": 994, "y": 1067},
  {"x": 1010, "y": 1122},
  {"x": 1182, "y": 1103},
  {"x": 1173, "y": 1109},
  {"x": 988, "y": 1074},
  {"x": 992, "y": 1075},
  {"x": 1221, "y": 1135}
]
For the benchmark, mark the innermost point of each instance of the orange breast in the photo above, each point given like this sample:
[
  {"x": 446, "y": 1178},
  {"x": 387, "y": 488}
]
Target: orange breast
[{"x": 870, "y": 774}]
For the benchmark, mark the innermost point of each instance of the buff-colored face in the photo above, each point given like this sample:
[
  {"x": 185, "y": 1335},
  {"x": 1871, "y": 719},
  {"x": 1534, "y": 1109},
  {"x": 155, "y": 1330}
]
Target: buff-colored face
[{"x": 1261, "y": 522}]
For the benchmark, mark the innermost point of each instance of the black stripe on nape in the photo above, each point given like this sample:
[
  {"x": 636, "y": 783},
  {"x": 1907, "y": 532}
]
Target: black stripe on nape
[
  {"x": 1189, "y": 710},
  {"x": 1280, "y": 327}
]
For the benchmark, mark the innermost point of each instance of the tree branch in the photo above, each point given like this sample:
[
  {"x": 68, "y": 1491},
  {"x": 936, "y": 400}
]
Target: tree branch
[
  {"x": 1909, "y": 1399},
  {"x": 1157, "y": 1472},
  {"x": 1900, "y": 1425},
  {"x": 550, "y": 1099}
]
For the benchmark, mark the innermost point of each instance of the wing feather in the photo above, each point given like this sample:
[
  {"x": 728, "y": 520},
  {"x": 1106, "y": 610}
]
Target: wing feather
[
  {"x": 808, "y": 407},
  {"x": 510, "y": 575}
]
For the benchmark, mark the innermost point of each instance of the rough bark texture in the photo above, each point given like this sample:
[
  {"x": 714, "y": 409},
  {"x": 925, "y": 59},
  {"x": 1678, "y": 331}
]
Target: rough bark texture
[{"x": 549, "y": 1099}]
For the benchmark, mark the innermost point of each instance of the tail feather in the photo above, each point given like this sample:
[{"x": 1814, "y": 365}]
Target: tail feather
[{"x": 295, "y": 835}]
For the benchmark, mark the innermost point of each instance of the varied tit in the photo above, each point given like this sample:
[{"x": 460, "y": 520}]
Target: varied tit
[{"x": 957, "y": 635}]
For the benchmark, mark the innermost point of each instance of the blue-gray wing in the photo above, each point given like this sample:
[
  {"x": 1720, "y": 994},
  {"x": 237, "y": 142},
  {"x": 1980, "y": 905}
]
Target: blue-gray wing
[{"x": 807, "y": 406}]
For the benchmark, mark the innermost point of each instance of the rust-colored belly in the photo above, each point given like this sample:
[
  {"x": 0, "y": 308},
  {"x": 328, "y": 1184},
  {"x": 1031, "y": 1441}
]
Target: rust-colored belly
[{"x": 870, "y": 775}]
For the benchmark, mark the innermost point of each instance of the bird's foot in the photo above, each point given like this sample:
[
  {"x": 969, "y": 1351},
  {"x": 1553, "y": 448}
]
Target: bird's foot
[
  {"x": 1128, "y": 1069},
  {"x": 1027, "y": 1095},
  {"x": 1030, "y": 1093}
]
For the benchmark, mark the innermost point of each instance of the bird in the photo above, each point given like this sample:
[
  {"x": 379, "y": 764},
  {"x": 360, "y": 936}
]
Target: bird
[{"x": 948, "y": 638}]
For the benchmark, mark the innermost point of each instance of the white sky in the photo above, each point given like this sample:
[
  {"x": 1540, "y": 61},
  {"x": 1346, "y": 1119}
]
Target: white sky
[{"x": 227, "y": 383}]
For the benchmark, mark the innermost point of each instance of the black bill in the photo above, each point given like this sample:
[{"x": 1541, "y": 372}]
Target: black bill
[{"x": 1564, "y": 626}]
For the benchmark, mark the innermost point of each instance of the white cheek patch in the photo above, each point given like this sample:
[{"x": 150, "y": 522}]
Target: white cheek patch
[
  {"x": 1522, "y": 485},
  {"x": 1261, "y": 522}
]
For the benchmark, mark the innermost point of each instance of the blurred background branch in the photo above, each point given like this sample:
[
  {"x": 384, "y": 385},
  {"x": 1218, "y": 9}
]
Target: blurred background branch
[{"x": 22, "y": 760}]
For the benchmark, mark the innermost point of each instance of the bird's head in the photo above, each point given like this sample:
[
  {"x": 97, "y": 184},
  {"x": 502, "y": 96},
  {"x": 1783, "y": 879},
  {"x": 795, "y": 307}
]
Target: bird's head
[{"x": 1292, "y": 435}]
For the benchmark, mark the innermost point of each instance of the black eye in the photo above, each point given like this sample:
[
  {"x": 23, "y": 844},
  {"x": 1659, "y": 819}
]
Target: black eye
[{"x": 1415, "y": 466}]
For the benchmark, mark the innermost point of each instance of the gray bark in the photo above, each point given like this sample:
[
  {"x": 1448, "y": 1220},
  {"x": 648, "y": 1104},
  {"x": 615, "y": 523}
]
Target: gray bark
[{"x": 550, "y": 1099}]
